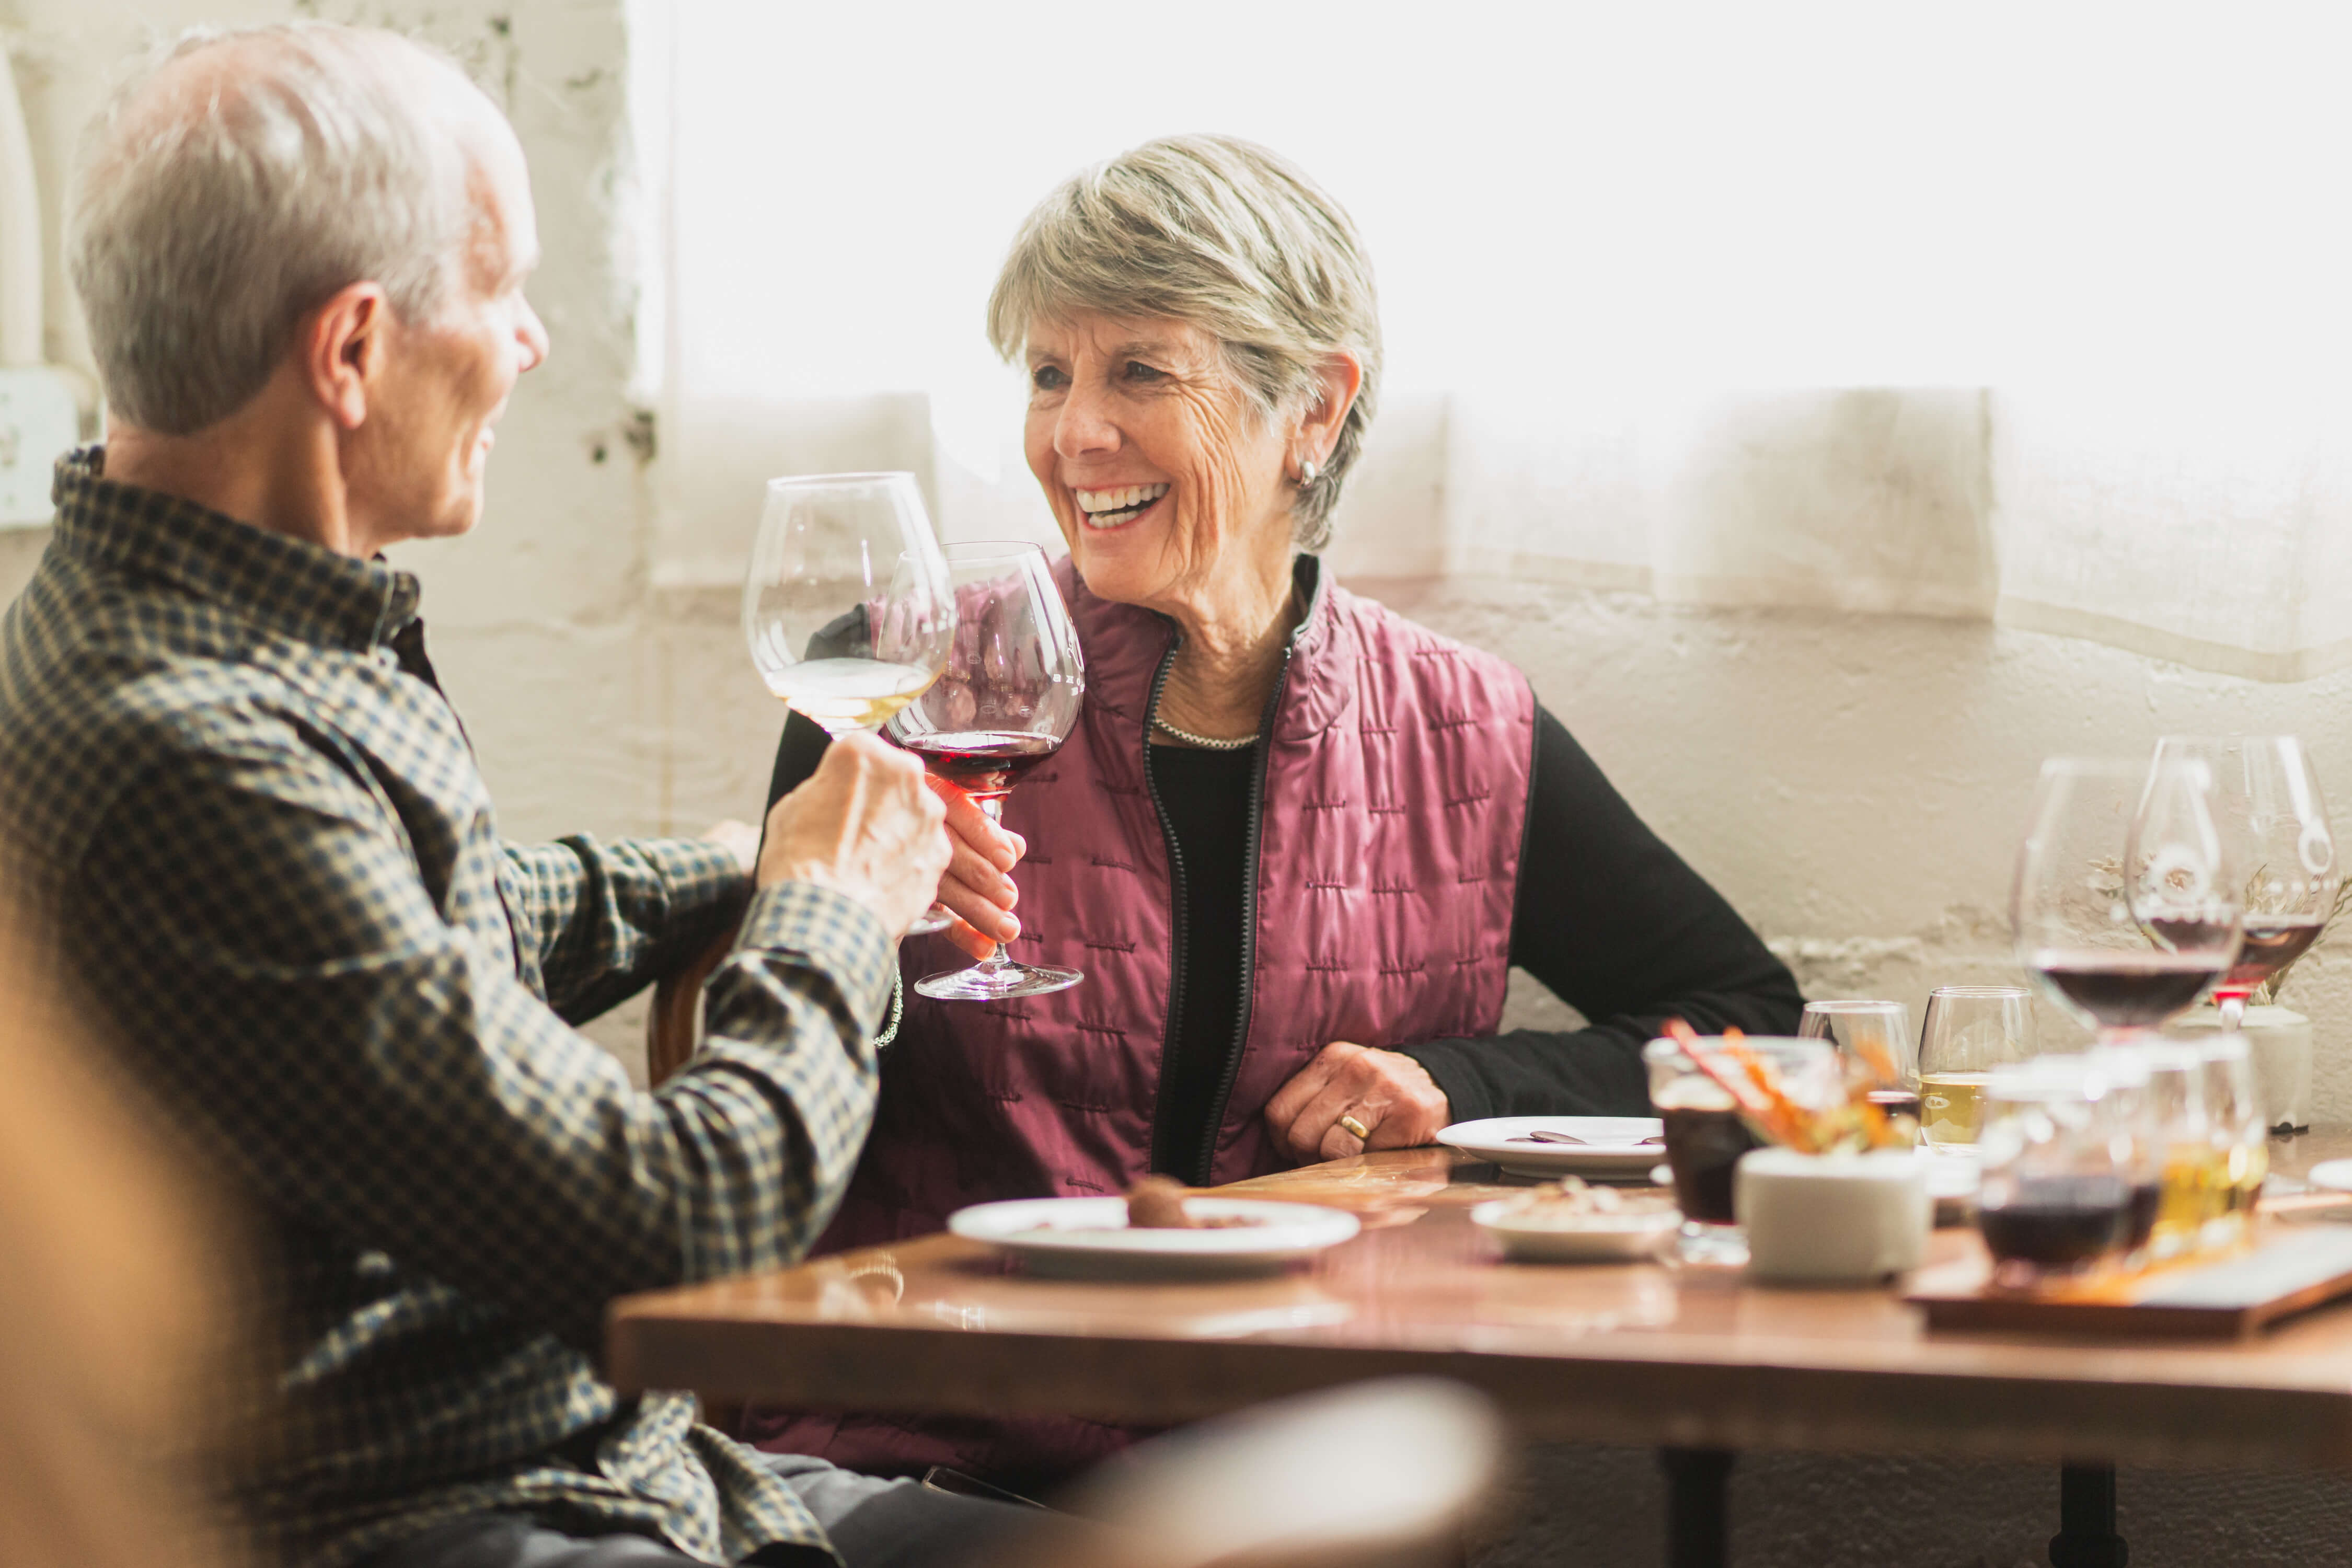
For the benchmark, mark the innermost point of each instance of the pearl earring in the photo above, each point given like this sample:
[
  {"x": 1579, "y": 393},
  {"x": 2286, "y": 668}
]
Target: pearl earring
[{"x": 1306, "y": 472}]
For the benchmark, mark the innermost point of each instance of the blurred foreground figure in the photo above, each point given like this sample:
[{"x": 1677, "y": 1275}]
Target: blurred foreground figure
[
  {"x": 112, "y": 1313},
  {"x": 1380, "y": 1475},
  {"x": 253, "y": 825}
]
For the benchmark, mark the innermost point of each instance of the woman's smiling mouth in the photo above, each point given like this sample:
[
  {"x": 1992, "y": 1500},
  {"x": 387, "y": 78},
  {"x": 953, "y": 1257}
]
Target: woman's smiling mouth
[{"x": 1117, "y": 507}]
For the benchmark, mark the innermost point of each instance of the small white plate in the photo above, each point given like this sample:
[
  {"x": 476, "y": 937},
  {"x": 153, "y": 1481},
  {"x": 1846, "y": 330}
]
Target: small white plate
[
  {"x": 2335, "y": 1175},
  {"x": 1593, "y": 1238},
  {"x": 1091, "y": 1236},
  {"x": 1620, "y": 1146}
]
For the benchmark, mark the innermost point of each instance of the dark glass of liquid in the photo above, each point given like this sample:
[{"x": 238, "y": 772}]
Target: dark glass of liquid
[
  {"x": 984, "y": 763},
  {"x": 2140, "y": 1223},
  {"x": 2052, "y": 1227},
  {"x": 2273, "y": 942},
  {"x": 1702, "y": 1146},
  {"x": 2125, "y": 990}
]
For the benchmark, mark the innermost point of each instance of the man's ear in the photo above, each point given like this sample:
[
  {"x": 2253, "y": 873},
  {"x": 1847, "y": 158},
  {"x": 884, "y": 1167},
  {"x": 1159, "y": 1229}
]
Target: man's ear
[{"x": 344, "y": 348}]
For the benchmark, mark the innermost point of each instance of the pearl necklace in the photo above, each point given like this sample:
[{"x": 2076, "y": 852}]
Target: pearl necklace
[{"x": 1207, "y": 742}]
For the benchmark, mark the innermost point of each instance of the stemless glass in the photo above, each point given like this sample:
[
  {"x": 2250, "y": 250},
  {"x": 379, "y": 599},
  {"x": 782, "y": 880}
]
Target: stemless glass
[
  {"x": 1009, "y": 698},
  {"x": 1969, "y": 1031},
  {"x": 2233, "y": 1119},
  {"x": 2056, "y": 1204},
  {"x": 1704, "y": 1136},
  {"x": 2122, "y": 905},
  {"x": 2272, "y": 821},
  {"x": 1875, "y": 1036},
  {"x": 2192, "y": 1174}
]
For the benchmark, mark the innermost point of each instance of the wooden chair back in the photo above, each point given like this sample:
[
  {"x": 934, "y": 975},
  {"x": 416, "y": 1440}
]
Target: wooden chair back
[{"x": 674, "y": 1024}]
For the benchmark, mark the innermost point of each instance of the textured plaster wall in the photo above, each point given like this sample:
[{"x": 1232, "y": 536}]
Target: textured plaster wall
[{"x": 1855, "y": 783}]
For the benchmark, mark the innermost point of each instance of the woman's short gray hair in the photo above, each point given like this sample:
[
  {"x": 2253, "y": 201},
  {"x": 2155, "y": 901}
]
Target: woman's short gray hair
[
  {"x": 1226, "y": 236},
  {"x": 210, "y": 216}
]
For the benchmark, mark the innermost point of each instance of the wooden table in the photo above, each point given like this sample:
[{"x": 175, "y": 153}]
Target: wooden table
[{"x": 1695, "y": 1362}]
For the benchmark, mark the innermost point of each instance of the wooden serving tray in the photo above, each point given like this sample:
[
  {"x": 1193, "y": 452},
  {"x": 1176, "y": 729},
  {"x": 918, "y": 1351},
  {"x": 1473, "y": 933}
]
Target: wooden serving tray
[{"x": 2288, "y": 1269}]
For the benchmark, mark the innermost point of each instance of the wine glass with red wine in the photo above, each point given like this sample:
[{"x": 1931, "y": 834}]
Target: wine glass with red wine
[
  {"x": 2124, "y": 905},
  {"x": 2274, "y": 824},
  {"x": 1007, "y": 700}
]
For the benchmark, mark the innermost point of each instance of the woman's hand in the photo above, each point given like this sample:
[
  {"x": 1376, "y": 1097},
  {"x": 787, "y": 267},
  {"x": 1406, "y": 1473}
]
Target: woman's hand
[
  {"x": 1391, "y": 1095},
  {"x": 978, "y": 888}
]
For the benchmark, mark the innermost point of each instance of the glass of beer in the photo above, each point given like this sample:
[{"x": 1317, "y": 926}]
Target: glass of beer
[{"x": 1968, "y": 1032}]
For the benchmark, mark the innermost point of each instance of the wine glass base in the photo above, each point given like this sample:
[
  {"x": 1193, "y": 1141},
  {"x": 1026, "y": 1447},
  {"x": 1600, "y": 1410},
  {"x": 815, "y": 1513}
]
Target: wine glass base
[
  {"x": 1711, "y": 1245},
  {"x": 996, "y": 982}
]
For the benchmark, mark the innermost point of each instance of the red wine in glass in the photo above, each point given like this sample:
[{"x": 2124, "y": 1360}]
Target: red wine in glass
[
  {"x": 2058, "y": 1223},
  {"x": 2125, "y": 907},
  {"x": 2273, "y": 942},
  {"x": 1009, "y": 696},
  {"x": 2272, "y": 816},
  {"x": 984, "y": 763},
  {"x": 2127, "y": 990}
]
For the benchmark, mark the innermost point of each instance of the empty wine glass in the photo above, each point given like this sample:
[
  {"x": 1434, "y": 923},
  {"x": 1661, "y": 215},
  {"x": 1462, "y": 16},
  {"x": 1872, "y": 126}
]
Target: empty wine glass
[
  {"x": 2273, "y": 823},
  {"x": 2122, "y": 904},
  {"x": 1008, "y": 698},
  {"x": 1876, "y": 1038}
]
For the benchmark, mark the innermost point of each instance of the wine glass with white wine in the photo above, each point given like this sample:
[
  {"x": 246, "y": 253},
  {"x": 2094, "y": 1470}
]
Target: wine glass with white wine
[{"x": 847, "y": 606}]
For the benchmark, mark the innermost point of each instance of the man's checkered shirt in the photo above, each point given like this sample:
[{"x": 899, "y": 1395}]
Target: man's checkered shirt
[{"x": 258, "y": 830}]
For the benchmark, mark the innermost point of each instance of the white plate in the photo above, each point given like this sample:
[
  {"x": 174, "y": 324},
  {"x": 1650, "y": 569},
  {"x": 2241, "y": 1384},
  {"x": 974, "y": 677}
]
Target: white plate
[
  {"x": 1620, "y": 1146},
  {"x": 1598, "y": 1238},
  {"x": 2335, "y": 1175},
  {"x": 1091, "y": 1235}
]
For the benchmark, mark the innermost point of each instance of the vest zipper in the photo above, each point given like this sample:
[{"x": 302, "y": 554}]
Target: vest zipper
[
  {"x": 1175, "y": 902},
  {"x": 1248, "y": 987}
]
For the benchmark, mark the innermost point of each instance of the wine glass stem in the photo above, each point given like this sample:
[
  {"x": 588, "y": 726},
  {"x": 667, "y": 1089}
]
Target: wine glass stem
[
  {"x": 2233, "y": 1012},
  {"x": 992, "y": 807}
]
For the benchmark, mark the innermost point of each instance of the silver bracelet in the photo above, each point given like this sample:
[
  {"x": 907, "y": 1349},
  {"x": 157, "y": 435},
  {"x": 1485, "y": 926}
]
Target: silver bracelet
[{"x": 897, "y": 1010}]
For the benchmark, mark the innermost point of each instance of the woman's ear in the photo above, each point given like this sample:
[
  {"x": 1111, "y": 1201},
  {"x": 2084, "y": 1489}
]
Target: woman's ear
[{"x": 1338, "y": 378}]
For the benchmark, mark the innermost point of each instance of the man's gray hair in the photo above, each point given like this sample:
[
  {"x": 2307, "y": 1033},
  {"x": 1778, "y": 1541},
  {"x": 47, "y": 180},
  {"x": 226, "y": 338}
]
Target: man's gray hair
[
  {"x": 1230, "y": 238},
  {"x": 212, "y": 212}
]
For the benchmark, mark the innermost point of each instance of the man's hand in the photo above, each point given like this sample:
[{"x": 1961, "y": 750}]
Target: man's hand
[
  {"x": 978, "y": 888},
  {"x": 864, "y": 826},
  {"x": 740, "y": 840},
  {"x": 1399, "y": 1105}
]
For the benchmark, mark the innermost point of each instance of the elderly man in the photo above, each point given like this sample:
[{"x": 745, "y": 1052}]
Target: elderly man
[{"x": 258, "y": 831}]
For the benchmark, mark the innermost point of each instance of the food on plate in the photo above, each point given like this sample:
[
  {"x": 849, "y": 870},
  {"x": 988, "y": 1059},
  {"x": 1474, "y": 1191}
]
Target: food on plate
[
  {"x": 1157, "y": 1203},
  {"x": 1572, "y": 1202}
]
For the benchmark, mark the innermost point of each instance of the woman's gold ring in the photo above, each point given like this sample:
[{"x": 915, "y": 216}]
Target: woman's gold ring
[{"x": 1363, "y": 1133}]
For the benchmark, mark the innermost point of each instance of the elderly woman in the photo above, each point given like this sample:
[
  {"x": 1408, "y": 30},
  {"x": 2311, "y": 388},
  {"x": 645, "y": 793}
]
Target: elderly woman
[{"x": 1296, "y": 842}]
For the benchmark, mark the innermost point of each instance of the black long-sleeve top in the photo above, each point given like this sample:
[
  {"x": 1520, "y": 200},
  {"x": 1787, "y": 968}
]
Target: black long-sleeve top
[{"x": 1608, "y": 916}]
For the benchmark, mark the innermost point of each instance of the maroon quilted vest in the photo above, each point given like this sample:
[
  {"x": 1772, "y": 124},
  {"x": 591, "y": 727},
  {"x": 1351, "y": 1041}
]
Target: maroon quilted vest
[{"x": 1394, "y": 795}]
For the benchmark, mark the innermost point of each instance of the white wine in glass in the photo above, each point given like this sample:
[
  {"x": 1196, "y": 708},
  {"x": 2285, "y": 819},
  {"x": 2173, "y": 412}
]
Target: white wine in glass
[{"x": 846, "y": 606}]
